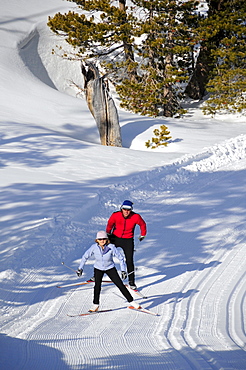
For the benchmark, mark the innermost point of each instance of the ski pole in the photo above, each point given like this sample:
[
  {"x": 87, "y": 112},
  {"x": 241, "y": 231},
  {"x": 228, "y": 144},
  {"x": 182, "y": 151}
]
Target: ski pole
[
  {"x": 135, "y": 248},
  {"x": 68, "y": 267},
  {"x": 132, "y": 272}
]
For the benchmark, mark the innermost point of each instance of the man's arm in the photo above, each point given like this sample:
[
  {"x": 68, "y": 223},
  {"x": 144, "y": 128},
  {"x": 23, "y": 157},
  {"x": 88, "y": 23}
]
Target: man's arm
[
  {"x": 110, "y": 224},
  {"x": 142, "y": 225}
]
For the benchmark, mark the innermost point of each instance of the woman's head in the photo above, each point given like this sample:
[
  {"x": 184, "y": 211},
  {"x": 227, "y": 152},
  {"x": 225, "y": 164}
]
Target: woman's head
[{"x": 102, "y": 238}]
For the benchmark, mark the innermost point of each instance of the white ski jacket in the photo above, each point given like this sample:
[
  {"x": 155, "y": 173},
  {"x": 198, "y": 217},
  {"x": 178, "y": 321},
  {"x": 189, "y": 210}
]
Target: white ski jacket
[{"x": 103, "y": 257}]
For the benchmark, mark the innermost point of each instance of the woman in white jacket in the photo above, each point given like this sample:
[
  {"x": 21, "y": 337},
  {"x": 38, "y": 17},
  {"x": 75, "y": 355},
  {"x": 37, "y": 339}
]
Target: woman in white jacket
[{"x": 103, "y": 252}]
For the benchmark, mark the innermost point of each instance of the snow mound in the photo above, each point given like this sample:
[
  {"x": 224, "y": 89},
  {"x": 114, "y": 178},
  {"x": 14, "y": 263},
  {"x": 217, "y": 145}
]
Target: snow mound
[{"x": 221, "y": 155}]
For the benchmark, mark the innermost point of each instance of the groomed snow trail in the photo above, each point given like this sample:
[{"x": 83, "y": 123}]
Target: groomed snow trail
[{"x": 191, "y": 267}]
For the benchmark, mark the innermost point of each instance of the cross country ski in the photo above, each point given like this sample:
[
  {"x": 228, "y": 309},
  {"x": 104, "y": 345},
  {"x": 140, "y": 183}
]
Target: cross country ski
[
  {"x": 145, "y": 310},
  {"x": 90, "y": 313}
]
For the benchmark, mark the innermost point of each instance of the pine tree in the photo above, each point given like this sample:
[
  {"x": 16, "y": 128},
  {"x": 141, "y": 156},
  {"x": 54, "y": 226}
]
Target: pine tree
[
  {"x": 161, "y": 138},
  {"x": 164, "y": 58},
  {"x": 221, "y": 65},
  {"x": 145, "y": 48}
]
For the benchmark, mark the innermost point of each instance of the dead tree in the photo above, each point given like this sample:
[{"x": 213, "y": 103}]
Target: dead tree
[{"x": 101, "y": 105}]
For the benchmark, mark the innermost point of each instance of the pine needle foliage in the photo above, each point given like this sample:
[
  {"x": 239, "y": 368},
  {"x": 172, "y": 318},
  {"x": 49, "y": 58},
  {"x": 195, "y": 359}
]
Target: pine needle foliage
[
  {"x": 161, "y": 138},
  {"x": 224, "y": 32},
  {"x": 164, "y": 57}
]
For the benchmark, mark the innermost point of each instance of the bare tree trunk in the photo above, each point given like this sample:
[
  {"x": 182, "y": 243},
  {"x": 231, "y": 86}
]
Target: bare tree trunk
[
  {"x": 171, "y": 104},
  {"x": 128, "y": 50},
  {"x": 196, "y": 87},
  {"x": 102, "y": 106}
]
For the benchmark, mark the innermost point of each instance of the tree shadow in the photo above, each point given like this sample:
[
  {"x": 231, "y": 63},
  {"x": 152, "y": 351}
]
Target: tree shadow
[
  {"x": 34, "y": 354},
  {"x": 185, "y": 359},
  {"x": 29, "y": 354},
  {"x": 134, "y": 128},
  {"x": 29, "y": 149}
]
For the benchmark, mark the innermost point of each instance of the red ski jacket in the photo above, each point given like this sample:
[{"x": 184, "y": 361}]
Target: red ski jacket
[{"x": 124, "y": 227}]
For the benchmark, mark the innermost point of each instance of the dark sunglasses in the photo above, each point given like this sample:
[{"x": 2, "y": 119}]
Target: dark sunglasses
[
  {"x": 102, "y": 239},
  {"x": 126, "y": 209}
]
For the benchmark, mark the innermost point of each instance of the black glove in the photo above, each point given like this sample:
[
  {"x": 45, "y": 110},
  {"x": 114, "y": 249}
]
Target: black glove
[
  {"x": 79, "y": 272},
  {"x": 141, "y": 238},
  {"x": 123, "y": 275},
  {"x": 110, "y": 237}
]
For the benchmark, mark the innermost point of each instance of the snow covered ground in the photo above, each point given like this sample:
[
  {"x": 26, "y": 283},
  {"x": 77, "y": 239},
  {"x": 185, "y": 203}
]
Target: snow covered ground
[{"x": 58, "y": 188}]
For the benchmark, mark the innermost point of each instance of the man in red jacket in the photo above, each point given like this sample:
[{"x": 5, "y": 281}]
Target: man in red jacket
[{"x": 120, "y": 228}]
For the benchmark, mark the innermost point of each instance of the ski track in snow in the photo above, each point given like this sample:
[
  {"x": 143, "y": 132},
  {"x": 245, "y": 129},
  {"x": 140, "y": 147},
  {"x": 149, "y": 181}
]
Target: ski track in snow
[{"x": 185, "y": 335}]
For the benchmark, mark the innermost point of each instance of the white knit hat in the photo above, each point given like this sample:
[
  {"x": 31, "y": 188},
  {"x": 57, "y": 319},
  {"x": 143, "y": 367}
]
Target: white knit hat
[{"x": 102, "y": 235}]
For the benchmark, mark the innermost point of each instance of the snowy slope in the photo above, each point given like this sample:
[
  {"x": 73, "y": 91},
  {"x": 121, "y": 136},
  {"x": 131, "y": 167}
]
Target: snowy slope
[{"x": 58, "y": 188}]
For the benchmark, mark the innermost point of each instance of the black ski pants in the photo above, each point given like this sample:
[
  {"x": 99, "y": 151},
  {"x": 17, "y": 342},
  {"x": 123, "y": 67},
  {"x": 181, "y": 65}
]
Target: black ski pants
[
  {"x": 114, "y": 276},
  {"x": 127, "y": 244}
]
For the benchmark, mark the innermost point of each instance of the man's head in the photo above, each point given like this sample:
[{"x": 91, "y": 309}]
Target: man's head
[
  {"x": 127, "y": 204},
  {"x": 126, "y": 208}
]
